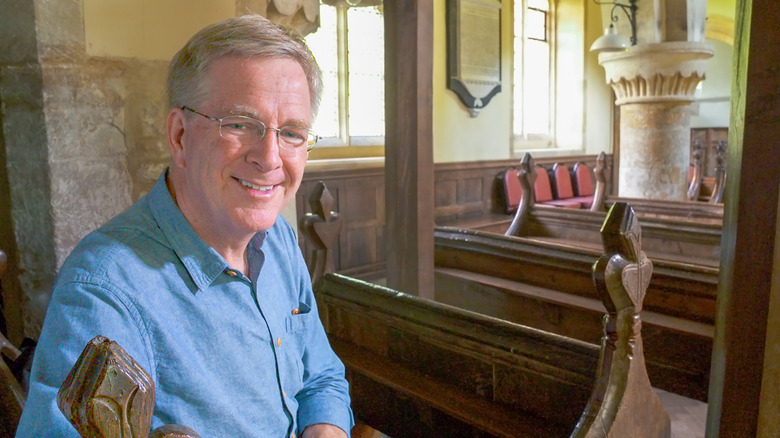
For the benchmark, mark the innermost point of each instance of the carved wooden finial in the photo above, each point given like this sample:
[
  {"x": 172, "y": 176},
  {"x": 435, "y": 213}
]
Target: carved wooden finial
[
  {"x": 622, "y": 237},
  {"x": 621, "y": 277},
  {"x": 107, "y": 394},
  {"x": 599, "y": 173},
  {"x": 321, "y": 227},
  {"x": 720, "y": 173},
  {"x": 697, "y": 156},
  {"x": 527, "y": 176},
  {"x": 321, "y": 201}
]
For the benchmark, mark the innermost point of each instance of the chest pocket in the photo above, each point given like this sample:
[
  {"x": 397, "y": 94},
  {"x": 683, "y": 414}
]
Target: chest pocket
[{"x": 299, "y": 320}]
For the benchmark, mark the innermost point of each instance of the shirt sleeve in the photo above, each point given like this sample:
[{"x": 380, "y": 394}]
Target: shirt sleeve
[{"x": 77, "y": 313}]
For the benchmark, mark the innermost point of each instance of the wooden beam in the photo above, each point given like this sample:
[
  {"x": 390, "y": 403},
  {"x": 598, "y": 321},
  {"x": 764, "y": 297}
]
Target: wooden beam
[
  {"x": 409, "y": 145},
  {"x": 742, "y": 361}
]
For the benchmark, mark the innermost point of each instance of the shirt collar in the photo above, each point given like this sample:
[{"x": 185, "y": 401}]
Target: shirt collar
[{"x": 202, "y": 262}]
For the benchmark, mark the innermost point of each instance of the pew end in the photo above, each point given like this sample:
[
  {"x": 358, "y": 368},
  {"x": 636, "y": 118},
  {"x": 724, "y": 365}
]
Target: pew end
[
  {"x": 621, "y": 277},
  {"x": 321, "y": 227},
  {"x": 107, "y": 394}
]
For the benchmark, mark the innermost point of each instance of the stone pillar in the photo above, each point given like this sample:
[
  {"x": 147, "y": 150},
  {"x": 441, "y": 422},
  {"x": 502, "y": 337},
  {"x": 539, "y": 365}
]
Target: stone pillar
[{"x": 654, "y": 85}]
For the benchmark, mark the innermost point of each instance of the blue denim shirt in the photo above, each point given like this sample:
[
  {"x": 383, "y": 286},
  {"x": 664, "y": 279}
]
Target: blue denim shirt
[{"x": 228, "y": 356}]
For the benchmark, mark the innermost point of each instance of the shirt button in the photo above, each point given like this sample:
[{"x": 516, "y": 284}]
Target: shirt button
[
  {"x": 278, "y": 342},
  {"x": 231, "y": 273}
]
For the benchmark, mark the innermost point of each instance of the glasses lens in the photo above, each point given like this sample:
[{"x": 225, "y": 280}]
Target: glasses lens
[
  {"x": 292, "y": 137},
  {"x": 243, "y": 129},
  {"x": 249, "y": 131}
]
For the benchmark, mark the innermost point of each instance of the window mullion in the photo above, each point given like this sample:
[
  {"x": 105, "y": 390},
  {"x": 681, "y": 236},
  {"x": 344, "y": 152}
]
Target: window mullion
[{"x": 343, "y": 72}]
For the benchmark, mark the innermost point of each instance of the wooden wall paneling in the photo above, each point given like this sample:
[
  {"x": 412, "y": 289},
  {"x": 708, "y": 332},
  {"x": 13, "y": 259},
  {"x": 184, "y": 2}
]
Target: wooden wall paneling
[{"x": 361, "y": 245}]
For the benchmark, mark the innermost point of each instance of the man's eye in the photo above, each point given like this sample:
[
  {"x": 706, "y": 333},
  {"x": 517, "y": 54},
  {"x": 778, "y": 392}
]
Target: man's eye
[
  {"x": 293, "y": 134},
  {"x": 238, "y": 126}
]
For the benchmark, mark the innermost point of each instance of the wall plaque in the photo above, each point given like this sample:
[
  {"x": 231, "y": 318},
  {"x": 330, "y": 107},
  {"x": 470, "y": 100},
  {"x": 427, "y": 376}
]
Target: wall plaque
[{"x": 474, "y": 51}]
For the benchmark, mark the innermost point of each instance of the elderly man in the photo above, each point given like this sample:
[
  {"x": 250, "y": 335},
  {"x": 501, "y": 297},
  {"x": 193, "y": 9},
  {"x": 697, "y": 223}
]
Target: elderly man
[{"x": 202, "y": 281}]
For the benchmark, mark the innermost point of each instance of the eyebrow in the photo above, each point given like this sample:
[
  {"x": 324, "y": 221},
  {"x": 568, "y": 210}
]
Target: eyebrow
[{"x": 241, "y": 110}]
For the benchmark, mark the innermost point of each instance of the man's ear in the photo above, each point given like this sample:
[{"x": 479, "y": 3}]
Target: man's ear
[{"x": 175, "y": 131}]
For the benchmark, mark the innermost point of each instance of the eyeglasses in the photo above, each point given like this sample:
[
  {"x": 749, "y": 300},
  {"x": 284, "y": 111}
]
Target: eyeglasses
[{"x": 249, "y": 132}]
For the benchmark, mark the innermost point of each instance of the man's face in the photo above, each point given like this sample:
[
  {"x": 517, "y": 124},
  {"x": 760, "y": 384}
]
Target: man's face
[{"x": 226, "y": 189}]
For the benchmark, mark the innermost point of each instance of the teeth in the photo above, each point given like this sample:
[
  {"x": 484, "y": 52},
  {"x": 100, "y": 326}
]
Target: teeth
[{"x": 255, "y": 187}]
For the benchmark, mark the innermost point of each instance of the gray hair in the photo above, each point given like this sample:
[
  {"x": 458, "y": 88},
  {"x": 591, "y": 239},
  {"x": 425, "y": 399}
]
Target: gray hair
[{"x": 248, "y": 36}]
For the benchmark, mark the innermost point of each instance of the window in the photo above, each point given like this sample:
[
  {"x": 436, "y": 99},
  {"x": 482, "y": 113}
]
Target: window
[
  {"x": 548, "y": 93},
  {"x": 349, "y": 46},
  {"x": 532, "y": 91}
]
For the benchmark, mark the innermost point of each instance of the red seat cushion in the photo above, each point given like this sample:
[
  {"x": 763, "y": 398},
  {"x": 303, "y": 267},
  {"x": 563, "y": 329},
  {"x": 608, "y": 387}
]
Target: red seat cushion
[
  {"x": 583, "y": 180},
  {"x": 543, "y": 191},
  {"x": 513, "y": 191},
  {"x": 563, "y": 203},
  {"x": 542, "y": 187},
  {"x": 585, "y": 201},
  {"x": 562, "y": 181}
]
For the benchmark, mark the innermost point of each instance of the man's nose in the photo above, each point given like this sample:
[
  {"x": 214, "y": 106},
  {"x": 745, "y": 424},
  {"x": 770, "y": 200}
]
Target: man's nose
[{"x": 267, "y": 153}]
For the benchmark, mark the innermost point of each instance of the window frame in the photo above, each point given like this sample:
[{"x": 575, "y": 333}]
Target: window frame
[
  {"x": 523, "y": 142},
  {"x": 345, "y": 145}
]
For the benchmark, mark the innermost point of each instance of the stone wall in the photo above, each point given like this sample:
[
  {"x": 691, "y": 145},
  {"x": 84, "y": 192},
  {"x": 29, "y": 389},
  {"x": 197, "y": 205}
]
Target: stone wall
[{"x": 83, "y": 138}]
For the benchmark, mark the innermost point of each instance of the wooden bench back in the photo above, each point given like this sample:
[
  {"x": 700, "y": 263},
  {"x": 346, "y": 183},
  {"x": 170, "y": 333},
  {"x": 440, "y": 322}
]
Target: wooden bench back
[
  {"x": 421, "y": 368},
  {"x": 549, "y": 286}
]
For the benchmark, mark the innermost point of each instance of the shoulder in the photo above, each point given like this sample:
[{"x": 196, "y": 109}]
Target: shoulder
[{"x": 129, "y": 241}]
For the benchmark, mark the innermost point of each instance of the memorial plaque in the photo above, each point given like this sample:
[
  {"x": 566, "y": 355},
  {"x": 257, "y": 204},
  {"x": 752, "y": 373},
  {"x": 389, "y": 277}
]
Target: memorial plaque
[{"x": 474, "y": 51}]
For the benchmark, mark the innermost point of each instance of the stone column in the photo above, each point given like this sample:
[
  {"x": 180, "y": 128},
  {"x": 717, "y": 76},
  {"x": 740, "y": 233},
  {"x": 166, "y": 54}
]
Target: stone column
[{"x": 655, "y": 85}]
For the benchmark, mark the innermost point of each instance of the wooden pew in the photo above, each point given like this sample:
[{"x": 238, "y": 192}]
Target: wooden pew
[
  {"x": 548, "y": 286},
  {"x": 422, "y": 368},
  {"x": 667, "y": 234},
  {"x": 695, "y": 211}
]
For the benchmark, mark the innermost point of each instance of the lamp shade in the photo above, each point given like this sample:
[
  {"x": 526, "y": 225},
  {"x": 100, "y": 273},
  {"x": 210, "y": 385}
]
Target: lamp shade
[{"x": 610, "y": 41}]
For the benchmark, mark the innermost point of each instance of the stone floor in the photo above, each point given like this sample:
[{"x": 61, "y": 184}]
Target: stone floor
[{"x": 688, "y": 417}]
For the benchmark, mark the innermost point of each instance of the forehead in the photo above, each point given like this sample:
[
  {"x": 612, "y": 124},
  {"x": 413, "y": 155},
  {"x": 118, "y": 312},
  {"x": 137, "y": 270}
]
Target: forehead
[{"x": 242, "y": 82}]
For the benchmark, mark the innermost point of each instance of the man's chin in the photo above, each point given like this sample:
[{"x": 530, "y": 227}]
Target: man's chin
[{"x": 261, "y": 220}]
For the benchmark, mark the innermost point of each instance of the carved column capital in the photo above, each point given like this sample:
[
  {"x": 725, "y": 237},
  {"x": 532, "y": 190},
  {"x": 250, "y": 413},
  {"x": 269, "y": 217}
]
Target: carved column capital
[
  {"x": 298, "y": 14},
  {"x": 660, "y": 72}
]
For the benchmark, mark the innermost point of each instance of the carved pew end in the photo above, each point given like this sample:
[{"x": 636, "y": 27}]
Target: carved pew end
[{"x": 107, "y": 394}]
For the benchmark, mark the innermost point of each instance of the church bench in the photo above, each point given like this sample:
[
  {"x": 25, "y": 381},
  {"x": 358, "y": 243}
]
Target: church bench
[
  {"x": 681, "y": 290},
  {"x": 421, "y": 368},
  {"x": 695, "y": 211},
  {"x": 547, "y": 286},
  {"x": 558, "y": 186},
  {"x": 665, "y": 236}
]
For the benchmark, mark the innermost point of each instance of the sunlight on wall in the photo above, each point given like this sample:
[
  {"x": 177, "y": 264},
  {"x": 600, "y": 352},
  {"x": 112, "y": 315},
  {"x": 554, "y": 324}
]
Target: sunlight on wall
[
  {"x": 147, "y": 29},
  {"x": 456, "y": 135},
  {"x": 712, "y": 106}
]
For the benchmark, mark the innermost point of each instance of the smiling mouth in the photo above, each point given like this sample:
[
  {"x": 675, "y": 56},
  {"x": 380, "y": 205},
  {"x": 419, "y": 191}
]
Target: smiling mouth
[{"x": 255, "y": 187}]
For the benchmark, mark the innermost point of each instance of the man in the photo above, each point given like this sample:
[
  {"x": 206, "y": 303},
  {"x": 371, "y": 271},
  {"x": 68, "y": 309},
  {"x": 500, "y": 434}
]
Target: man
[{"x": 201, "y": 281}]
